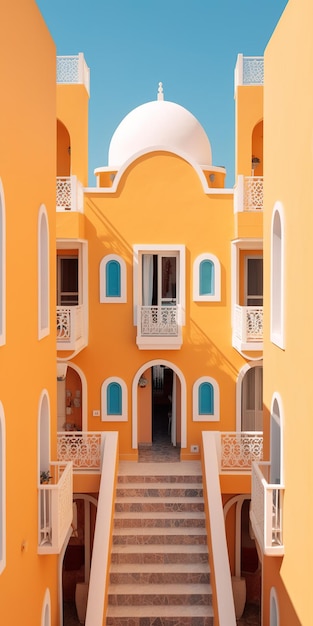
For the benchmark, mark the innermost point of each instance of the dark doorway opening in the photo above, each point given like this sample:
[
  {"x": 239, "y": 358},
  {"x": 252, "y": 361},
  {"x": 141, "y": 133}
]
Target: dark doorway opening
[{"x": 162, "y": 392}]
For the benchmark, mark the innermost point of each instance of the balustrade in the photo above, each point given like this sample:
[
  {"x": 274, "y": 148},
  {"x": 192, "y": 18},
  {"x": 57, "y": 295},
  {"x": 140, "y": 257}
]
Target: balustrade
[
  {"x": 55, "y": 508},
  {"x": 253, "y": 193},
  {"x": 248, "y": 323},
  {"x": 69, "y": 194},
  {"x": 266, "y": 510},
  {"x": 84, "y": 449},
  {"x": 72, "y": 69},
  {"x": 160, "y": 321},
  {"x": 249, "y": 71},
  {"x": 69, "y": 326},
  {"x": 240, "y": 449}
]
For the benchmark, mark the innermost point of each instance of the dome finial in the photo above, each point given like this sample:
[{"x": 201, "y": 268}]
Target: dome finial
[{"x": 160, "y": 92}]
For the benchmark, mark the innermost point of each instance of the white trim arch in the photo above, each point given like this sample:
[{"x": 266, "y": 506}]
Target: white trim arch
[
  {"x": 105, "y": 416},
  {"x": 2, "y": 490},
  {"x": 240, "y": 378},
  {"x": 43, "y": 432},
  {"x": 237, "y": 501},
  {"x": 43, "y": 274},
  {"x": 216, "y": 295},
  {"x": 183, "y": 415},
  {"x": 2, "y": 267},
  {"x": 103, "y": 284},
  {"x": 277, "y": 303},
  {"x": 274, "y": 608},
  {"x": 84, "y": 390},
  {"x": 196, "y": 415},
  {"x": 46, "y": 609},
  {"x": 277, "y": 440}
]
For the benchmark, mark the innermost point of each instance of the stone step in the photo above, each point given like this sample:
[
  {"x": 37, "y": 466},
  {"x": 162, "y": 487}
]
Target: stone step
[
  {"x": 153, "y": 536},
  {"x": 160, "y": 490},
  {"x": 134, "y": 504},
  {"x": 201, "y": 615},
  {"x": 160, "y": 554},
  {"x": 169, "y": 478},
  {"x": 158, "y": 594},
  {"x": 143, "y": 574},
  {"x": 126, "y": 519}
]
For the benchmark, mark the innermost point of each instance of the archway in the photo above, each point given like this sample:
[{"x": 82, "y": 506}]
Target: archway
[{"x": 165, "y": 411}]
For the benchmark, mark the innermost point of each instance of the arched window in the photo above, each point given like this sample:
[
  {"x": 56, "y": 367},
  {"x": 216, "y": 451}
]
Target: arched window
[
  {"x": 206, "y": 400},
  {"x": 112, "y": 279},
  {"x": 2, "y": 492},
  {"x": 274, "y": 612},
  {"x": 206, "y": 278},
  {"x": 46, "y": 610},
  {"x": 277, "y": 277},
  {"x": 43, "y": 274},
  {"x": 2, "y": 266},
  {"x": 114, "y": 400}
]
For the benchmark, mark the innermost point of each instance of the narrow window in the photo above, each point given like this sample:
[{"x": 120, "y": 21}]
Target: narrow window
[
  {"x": 114, "y": 399},
  {"x": 206, "y": 278},
  {"x": 206, "y": 400},
  {"x": 113, "y": 279},
  {"x": 277, "y": 278},
  {"x": 43, "y": 273}
]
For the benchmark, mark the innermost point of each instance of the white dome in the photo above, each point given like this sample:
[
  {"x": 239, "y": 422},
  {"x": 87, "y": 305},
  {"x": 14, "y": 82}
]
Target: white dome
[{"x": 159, "y": 124}]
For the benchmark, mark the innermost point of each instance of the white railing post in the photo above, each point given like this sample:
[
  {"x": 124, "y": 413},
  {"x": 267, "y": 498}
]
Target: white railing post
[{"x": 239, "y": 71}]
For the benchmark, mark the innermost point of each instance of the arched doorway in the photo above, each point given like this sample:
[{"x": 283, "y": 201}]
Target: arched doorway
[
  {"x": 72, "y": 400},
  {"x": 159, "y": 404}
]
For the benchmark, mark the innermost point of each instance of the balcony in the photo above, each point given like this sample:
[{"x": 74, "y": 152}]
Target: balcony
[
  {"x": 266, "y": 511},
  {"x": 248, "y": 328},
  {"x": 249, "y": 71},
  {"x": 83, "y": 449},
  {"x": 238, "y": 450},
  {"x": 70, "y": 328},
  {"x": 70, "y": 196},
  {"x": 55, "y": 508},
  {"x": 248, "y": 194},
  {"x": 159, "y": 327},
  {"x": 73, "y": 70}
]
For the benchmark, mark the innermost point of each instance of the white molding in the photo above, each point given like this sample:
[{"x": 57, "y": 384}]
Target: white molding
[
  {"x": 2, "y": 490},
  {"x": 274, "y": 600},
  {"x": 241, "y": 374},
  {"x": 43, "y": 287},
  {"x": 183, "y": 409},
  {"x": 277, "y": 397},
  {"x": 2, "y": 266},
  {"x": 102, "y": 270},
  {"x": 104, "y": 410},
  {"x": 278, "y": 336},
  {"x": 216, "y": 296},
  {"x": 46, "y": 606},
  {"x": 196, "y": 416}
]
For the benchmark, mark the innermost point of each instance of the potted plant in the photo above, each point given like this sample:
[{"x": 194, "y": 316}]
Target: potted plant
[{"x": 45, "y": 477}]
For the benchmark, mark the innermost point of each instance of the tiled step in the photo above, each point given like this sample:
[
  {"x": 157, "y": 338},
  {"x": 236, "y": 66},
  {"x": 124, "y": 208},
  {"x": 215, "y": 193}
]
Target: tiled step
[
  {"x": 154, "y": 536},
  {"x": 159, "y": 519},
  {"x": 160, "y": 478},
  {"x": 160, "y": 490},
  {"x": 143, "y": 574},
  {"x": 161, "y": 554},
  {"x": 160, "y": 616},
  {"x": 158, "y": 594},
  {"x": 155, "y": 504}
]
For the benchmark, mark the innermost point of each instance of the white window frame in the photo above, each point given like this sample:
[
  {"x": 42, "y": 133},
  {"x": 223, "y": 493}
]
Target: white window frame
[
  {"x": 43, "y": 274},
  {"x": 216, "y": 296},
  {"x": 246, "y": 273},
  {"x": 2, "y": 267},
  {"x": 196, "y": 416},
  {"x": 2, "y": 490},
  {"x": 104, "y": 409},
  {"x": 277, "y": 305},
  {"x": 103, "y": 263},
  {"x": 170, "y": 249}
]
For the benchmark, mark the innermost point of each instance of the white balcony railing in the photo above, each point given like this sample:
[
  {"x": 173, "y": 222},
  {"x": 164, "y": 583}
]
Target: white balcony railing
[
  {"x": 70, "y": 195},
  {"x": 266, "y": 510},
  {"x": 248, "y": 324},
  {"x": 70, "y": 333},
  {"x": 249, "y": 71},
  {"x": 158, "y": 321},
  {"x": 238, "y": 450},
  {"x": 55, "y": 508},
  {"x": 248, "y": 194},
  {"x": 73, "y": 70},
  {"x": 84, "y": 449}
]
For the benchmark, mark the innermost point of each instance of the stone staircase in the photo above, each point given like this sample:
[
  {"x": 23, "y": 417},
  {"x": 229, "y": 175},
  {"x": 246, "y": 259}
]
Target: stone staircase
[{"x": 159, "y": 568}]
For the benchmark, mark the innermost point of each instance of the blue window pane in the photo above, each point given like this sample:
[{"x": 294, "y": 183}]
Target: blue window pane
[
  {"x": 206, "y": 282},
  {"x": 113, "y": 279},
  {"x": 114, "y": 399},
  {"x": 206, "y": 399}
]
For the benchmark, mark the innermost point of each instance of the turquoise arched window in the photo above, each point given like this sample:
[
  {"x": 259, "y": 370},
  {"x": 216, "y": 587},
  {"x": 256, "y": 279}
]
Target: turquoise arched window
[
  {"x": 114, "y": 399},
  {"x": 113, "y": 279},
  {"x": 206, "y": 399},
  {"x": 206, "y": 278}
]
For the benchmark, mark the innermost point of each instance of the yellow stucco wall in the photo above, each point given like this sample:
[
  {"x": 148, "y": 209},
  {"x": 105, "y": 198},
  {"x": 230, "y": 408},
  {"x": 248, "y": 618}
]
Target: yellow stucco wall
[
  {"x": 27, "y": 365},
  {"x": 289, "y": 162}
]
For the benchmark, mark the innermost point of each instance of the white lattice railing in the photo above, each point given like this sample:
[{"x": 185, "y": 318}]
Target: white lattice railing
[
  {"x": 84, "y": 449},
  {"x": 55, "y": 508},
  {"x": 248, "y": 194},
  {"x": 267, "y": 510},
  {"x": 158, "y": 321},
  {"x": 249, "y": 71},
  {"x": 73, "y": 70},
  {"x": 69, "y": 194},
  {"x": 248, "y": 323},
  {"x": 69, "y": 326},
  {"x": 240, "y": 449}
]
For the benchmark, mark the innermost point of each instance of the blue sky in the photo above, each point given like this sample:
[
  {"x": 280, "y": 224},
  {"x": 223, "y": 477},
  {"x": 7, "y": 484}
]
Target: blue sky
[{"x": 189, "y": 45}]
